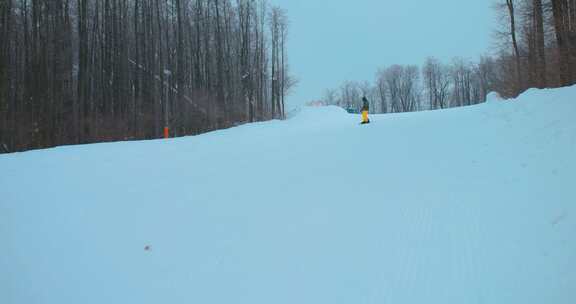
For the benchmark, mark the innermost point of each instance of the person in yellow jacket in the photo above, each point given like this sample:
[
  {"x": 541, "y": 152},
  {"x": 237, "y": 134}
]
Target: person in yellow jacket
[{"x": 365, "y": 110}]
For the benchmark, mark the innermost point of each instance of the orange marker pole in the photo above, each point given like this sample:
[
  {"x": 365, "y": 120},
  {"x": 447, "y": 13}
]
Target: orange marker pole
[{"x": 166, "y": 132}]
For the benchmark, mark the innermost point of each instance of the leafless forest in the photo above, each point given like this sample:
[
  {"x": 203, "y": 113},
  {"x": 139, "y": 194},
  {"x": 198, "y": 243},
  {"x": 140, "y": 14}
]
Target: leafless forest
[
  {"x": 83, "y": 71},
  {"x": 536, "y": 48}
]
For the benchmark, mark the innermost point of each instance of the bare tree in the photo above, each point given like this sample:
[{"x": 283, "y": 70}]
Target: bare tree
[
  {"x": 382, "y": 91},
  {"x": 330, "y": 97},
  {"x": 565, "y": 27},
  {"x": 512, "y": 15},
  {"x": 486, "y": 75},
  {"x": 437, "y": 83},
  {"x": 350, "y": 95},
  {"x": 462, "y": 79},
  {"x": 540, "y": 43},
  {"x": 403, "y": 87},
  {"x": 279, "y": 30}
]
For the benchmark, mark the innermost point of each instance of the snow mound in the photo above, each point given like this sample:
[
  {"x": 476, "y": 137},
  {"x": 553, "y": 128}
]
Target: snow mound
[
  {"x": 324, "y": 113},
  {"x": 493, "y": 97},
  {"x": 319, "y": 117}
]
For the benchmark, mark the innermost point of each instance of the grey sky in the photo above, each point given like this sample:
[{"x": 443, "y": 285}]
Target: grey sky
[{"x": 336, "y": 40}]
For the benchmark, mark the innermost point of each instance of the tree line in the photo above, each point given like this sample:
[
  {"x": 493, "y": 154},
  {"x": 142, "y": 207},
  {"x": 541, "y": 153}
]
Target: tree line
[
  {"x": 409, "y": 88},
  {"x": 536, "y": 49},
  {"x": 537, "y": 44},
  {"x": 83, "y": 71}
]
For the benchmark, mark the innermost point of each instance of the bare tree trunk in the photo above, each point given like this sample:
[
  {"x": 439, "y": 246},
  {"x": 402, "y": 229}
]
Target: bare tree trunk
[
  {"x": 511, "y": 11},
  {"x": 222, "y": 119},
  {"x": 181, "y": 68},
  {"x": 5, "y": 30},
  {"x": 563, "y": 39},
  {"x": 540, "y": 43}
]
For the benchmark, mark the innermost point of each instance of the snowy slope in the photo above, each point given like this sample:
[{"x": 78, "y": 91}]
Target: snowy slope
[{"x": 469, "y": 205}]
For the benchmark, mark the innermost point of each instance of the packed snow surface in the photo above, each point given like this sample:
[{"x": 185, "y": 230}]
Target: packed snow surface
[{"x": 468, "y": 205}]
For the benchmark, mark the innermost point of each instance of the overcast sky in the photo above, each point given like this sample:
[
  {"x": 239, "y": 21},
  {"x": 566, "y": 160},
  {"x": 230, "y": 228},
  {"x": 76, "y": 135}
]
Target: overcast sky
[{"x": 336, "y": 40}]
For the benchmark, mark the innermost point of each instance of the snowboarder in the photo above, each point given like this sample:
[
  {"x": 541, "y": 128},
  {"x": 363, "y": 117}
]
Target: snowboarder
[{"x": 365, "y": 110}]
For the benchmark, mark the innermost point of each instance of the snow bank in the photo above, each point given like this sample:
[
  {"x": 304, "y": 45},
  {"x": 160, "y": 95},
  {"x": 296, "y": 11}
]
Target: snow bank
[
  {"x": 468, "y": 205},
  {"x": 325, "y": 113},
  {"x": 493, "y": 97}
]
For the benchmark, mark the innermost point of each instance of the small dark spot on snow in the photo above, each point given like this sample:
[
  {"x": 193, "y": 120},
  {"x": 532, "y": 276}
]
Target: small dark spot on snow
[
  {"x": 559, "y": 218},
  {"x": 147, "y": 248}
]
